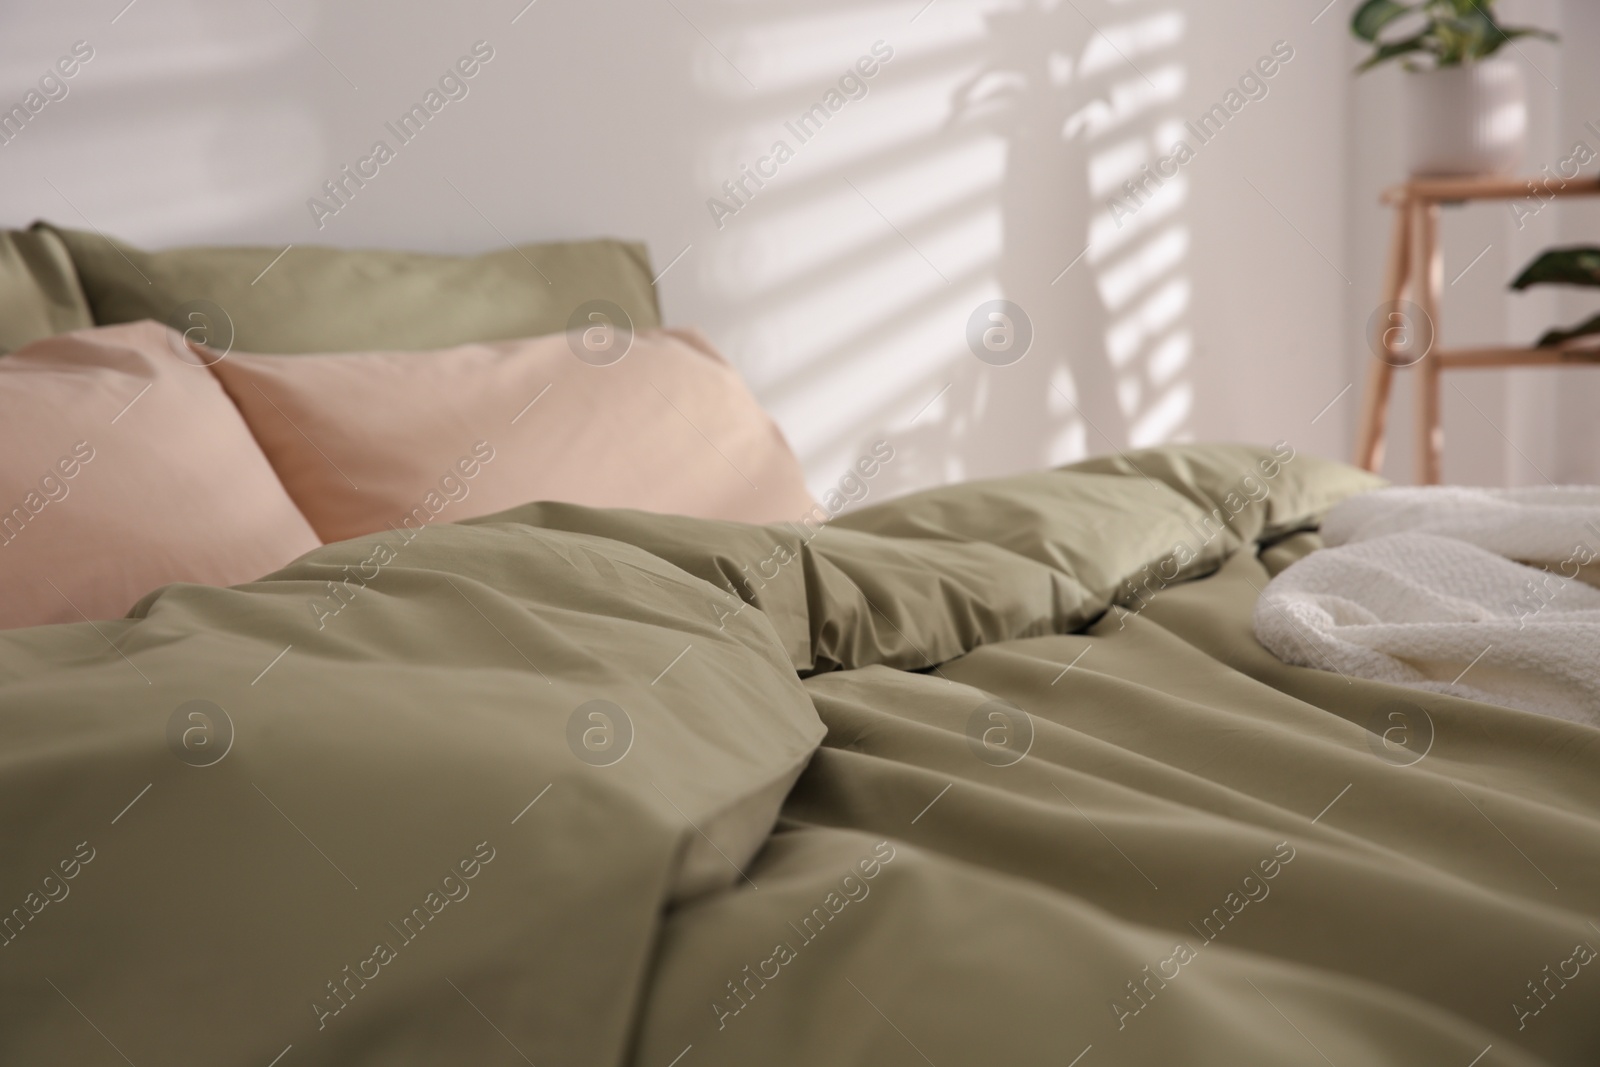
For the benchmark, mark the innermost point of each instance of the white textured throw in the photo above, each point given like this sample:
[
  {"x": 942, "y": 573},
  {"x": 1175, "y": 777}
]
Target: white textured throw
[{"x": 1472, "y": 592}]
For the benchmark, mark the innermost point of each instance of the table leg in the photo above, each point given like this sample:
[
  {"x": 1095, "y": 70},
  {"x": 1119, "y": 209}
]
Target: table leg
[
  {"x": 1430, "y": 285},
  {"x": 1380, "y": 371}
]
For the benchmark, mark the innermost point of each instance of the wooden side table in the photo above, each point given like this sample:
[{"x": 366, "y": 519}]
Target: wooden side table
[{"x": 1416, "y": 264}]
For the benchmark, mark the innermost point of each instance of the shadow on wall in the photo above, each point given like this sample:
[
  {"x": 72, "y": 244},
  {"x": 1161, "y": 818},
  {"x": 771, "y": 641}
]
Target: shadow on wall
[
  {"x": 981, "y": 170},
  {"x": 975, "y": 164}
]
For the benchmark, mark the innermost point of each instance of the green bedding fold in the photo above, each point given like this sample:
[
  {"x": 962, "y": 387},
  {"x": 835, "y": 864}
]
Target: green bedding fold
[
  {"x": 290, "y": 869},
  {"x": 1050, "y": 804},
  {"x": 40, "y": 295},
  {"x": 1202, "y": 859}
]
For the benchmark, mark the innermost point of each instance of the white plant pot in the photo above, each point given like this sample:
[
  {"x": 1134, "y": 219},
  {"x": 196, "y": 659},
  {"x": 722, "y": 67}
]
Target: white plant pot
[{"x": 1467, "y": 120}]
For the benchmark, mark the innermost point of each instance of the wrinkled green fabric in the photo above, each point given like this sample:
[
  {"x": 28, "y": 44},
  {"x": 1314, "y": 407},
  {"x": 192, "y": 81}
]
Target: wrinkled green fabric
[
  {"x": 409, "y": 722},
  {"x": 1066, "y": 809},
  {"x": 39, "y": 291},
  {"x": 1167, "y": 763}
]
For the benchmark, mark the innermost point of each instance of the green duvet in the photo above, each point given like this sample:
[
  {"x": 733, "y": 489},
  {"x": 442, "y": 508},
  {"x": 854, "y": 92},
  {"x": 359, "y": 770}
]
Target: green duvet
[{"x": 992, "y": 774}]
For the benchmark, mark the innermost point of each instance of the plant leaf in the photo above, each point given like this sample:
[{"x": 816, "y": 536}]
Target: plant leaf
[
  {"x": 1505, "y": 36},
  {"x": 1493, "y": 35},
  {"x": 1561, "y": 337},
  {"x": 1562, "y": 266},
  {"x": 1386, "y": 52},
  {"x": 1453, "y": 32},
  {"x": 1476, "y": 34},
  {"x": 1455, "y": 41},
  {"x": 1374, "y": 15}
]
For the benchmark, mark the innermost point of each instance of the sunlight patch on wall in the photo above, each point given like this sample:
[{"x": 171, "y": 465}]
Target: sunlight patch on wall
[
  {"x": 973, "y": 165},
  {"x": 817, "y": 329},
  {"x": 1122, "y": 43},
  {"x": 826, "y": 409},
  {"x": 799, "y": 235},
  {"x": 1133, "y": 274},
  {"x": 1128, "y": 99},
  {"x": 1139, "y": 259},
  {"x": 852, "y": 270},
  {"x": 784, "y": 54}
]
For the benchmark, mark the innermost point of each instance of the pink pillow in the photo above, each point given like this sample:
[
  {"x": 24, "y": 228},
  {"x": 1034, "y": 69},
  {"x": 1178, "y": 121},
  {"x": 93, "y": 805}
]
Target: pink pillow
[
  {"x": 124, "y": 467},
  {"x": 371, "y": 440}
]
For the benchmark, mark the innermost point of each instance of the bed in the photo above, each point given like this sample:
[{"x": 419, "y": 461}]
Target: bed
[{"x": 990, "y": 773}]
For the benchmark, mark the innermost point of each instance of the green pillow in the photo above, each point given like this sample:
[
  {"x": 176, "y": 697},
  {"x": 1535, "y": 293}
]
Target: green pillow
[
  {"x": 39, "y": 291},
  {"x": 318, "y": 299}
]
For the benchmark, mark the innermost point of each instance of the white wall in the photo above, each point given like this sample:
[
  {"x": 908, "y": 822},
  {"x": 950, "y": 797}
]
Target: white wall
[
  {"x": 1576, "y": 406},
  {"x": 842, "y": 291}
]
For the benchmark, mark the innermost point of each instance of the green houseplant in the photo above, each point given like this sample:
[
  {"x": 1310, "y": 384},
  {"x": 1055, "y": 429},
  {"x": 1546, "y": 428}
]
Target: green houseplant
[
  {"x": 1450, "y": 33},
  {"x": 1466, "y": 101},
  {"x": 1564, "y": 266}
]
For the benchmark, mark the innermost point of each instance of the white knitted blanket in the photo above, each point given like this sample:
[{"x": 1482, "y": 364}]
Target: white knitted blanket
[{"x": 1479, "y": 593}]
